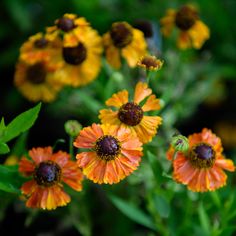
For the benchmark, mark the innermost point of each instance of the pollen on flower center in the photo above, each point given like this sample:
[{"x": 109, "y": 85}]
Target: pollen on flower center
[
  {"x": 107, "y": 147},
  {"x": 130, "y": 114},
  {"x": 121, "y": 34},
  {"x": 75, "y": 55},
  {"x": 41, "y": 43},
  {"x": 36, "y": 73},
  {"x": 47, "y": 173},
  {"x": 202, "y": 155},
  {"x": 65, "y": 24},
  {"x": 186, "y": 18}
]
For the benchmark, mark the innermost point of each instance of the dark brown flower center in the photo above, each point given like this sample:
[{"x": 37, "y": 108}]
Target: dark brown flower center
[
  {"x": 150, "y": 62},
  {"x": 121, "y": 34},
  {"x": 75, "y": 55},
  {"x": 47, "y": 173},
  {"x": 130, "y": 114},
  {"x": 36, "y": 74},
  {"x": 65, "y": 24},
  {"x": 107, "y": 147},
  {"x": 202, "y": 155},
  {"x": 41, "y": 43},
  {"x": 186, "y": 18}
]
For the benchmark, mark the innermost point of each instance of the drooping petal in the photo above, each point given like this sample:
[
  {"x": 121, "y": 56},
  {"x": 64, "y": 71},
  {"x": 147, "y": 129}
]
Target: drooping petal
[
  {"x": 118, "y": 99},
  {"x": 26, "y": 166},
  {"x": 226, "y": 164},
  {"x": 109, "y": 116},
  {"x": 28, "y": 187},
  {"x": 40, "y": 154},
  {"x": 184, "y": 40},
  {"x": 141, "y": 92},
  {"x": 88, "y": 136},
  {"x": 151, "y": 104}
]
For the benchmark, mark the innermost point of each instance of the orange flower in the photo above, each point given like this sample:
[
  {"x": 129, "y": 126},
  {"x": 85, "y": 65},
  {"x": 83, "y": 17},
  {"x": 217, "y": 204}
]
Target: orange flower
[
  {"x": 130, "y": 115},
  {"x": 114, "y": 153},
  {"x": 126, "y": 41},
  {"x": 49, "y": 170},
  {"x": 201, "y": 167},
  {"x": 193, "y": 32}
]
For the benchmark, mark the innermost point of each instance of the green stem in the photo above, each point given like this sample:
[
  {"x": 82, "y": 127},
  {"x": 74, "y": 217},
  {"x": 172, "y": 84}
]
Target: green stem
[{"x": 71, "y": 149}]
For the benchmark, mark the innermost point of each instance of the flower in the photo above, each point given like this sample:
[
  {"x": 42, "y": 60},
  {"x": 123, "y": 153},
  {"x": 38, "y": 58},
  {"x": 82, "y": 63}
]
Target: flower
[
  {"x": 49, "y": 170},
  {"x": 114, "y": 153},
  {"x": 68, "y": 27},
  {"x": 81, "y": 51},
  {"x": 37, "y": 81},
  {"x": 192, "y": 31},
  {"x": 201, "y": 168},
  {"x": 126, "y": 41},
  {"x": 130, "y": 115},
  {"x": 150, "y": 63}
]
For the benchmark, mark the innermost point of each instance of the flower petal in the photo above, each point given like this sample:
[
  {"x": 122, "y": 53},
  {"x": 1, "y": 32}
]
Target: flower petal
[
  {"x": 151, "y": 104},
  {"x": 26, "y": 166},
  {"x": 118, "y": 99},
  {"x": 108, "y": 116},
  {"x": 141, "y": 92},
  {"x": 225, "y": 164},
  {"x": 40, "y": 154}
]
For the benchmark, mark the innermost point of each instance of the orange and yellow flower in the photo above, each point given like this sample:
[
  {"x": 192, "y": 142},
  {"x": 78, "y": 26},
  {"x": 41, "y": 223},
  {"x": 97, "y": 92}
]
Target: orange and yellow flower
[
  {"x": 130, "y": 115},
  {"x": 113, "y": 153},
  {"x": 38, "y": 81},
  {"x": 49, "y": 170},
  {"x": 124, "y": 41},
  {"x": 202, "y": 167},
  {"x": 149, "y": 62},
  {"x": 192, "y": 31},
  {"x": 68, "y": 27}
]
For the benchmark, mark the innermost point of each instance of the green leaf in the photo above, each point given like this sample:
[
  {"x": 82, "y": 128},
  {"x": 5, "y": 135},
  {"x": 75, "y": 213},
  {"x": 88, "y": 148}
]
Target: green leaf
[
  {"x": 4, "y": 148},
  {"x": 132, "y": 212},
  {"x": 162, "y": 206},
  {"x": 20, "y": 124},
  {"x": 204, "y": 220},
  {"x": 10, "y": 179}
]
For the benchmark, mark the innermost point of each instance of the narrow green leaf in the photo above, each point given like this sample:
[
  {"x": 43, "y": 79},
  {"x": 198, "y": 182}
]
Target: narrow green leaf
[
  {"x": 4, "y": 148},
  {"x": 204, "y": 220},
  {"x": 132, "y": 212},
  {"x": 10, "y": 179},
  {"x": 162, "y": 206},
  {"x": 20, "y": 124}
]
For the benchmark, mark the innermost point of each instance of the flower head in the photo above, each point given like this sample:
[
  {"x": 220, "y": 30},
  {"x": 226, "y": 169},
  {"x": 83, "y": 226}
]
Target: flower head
[
  {"x": 114, "y": 153},
  {"x": 192, "y": 31},
  {"x": 201, "y": 167},
  {"x": 150, "y": 63},
  {"x": 126, "y": 41},
  {"x": 48, "y": 171},
  {"x": 131, "y": 115}
]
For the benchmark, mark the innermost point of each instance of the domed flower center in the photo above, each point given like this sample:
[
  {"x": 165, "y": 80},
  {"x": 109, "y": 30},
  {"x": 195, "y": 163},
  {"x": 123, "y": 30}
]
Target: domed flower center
[
  {"x": 65, "y": 24},
  {"x": 186, "y": 18},
  {"x": 107, "y": 147},
  {"x": 75, "y": 55},
  {"x": 121, "y": 34},
  {"x": 202, "y": 155},
  {"x": 40, "y": 43},
  {"x": 47, "y": 173},
  {"x": 130, "y": 114},
  {"x": 36, "y": 74}
]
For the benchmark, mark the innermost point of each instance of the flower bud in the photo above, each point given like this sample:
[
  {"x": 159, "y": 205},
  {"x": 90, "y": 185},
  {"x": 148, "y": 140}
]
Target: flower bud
[
  {"x": 180, "y": 143},
  {"x": 73, "y": 127}
]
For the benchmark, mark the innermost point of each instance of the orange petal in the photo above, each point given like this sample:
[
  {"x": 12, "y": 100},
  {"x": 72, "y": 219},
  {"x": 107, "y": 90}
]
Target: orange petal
[
  {"x": 28, "y": 187},
  {"x": 217, "y": 178},
  {"x": 85, "y": 158},
  {"x": 151, "y": 104},
  {"x": 110, "y": 129},
  {"x": 61, "y": 158},
  {"x": 88, "y": 136},
  {"x": 26, "y": 167},
  {"x": 109, "y": 117},
  {"x": 225, "y": 164},
  {"x": 72, "y": 175},
  {"x": 184, "y": 41},
  {"x": 118, "y": 99},
  {"x": 40, "y": 154},
  {"x": 141, "y": 92}
]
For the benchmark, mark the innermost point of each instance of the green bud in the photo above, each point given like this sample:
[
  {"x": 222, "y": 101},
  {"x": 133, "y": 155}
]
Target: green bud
[
  {"x": 180, "y": 143},
  {"x": 73, "y": 127}
]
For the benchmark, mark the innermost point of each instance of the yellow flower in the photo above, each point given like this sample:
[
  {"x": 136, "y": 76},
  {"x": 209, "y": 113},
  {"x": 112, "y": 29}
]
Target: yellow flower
[
  {"x": 81, "y": 50},
  {"x": 130, "y": 115},
  {"x": 150, "y": 63},
  {"x": 126, "y": 41},
  {"x": 67, "y": 27},
  {"x": 192, "y": 31},
  {"x": 37, "y": 81}
]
